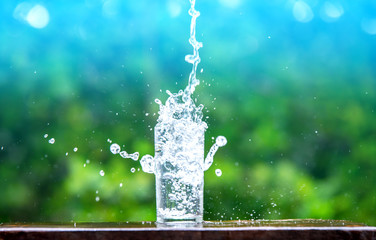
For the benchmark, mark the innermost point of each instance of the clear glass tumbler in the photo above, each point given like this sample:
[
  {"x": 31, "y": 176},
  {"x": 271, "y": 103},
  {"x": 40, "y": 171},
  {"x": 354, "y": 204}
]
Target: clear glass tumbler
[{"x": 179, "y": 175}]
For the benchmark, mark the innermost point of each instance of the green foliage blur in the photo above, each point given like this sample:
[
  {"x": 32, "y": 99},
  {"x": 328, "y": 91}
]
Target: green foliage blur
[{"x": 295, "y": 99}]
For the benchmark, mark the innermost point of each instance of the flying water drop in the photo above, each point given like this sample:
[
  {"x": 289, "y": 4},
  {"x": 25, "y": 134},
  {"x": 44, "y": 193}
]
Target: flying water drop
[
  {"x": 219, "y": 142},
  {"x": 115, "y": 148}
]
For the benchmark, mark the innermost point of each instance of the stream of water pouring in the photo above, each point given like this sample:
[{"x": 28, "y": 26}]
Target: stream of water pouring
[
  {"x": 194, "y": 59},
  {"x": 179, "y": 162}
]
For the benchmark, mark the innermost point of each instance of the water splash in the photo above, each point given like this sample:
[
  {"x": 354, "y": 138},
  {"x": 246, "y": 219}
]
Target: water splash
[
  {"x": 219, "y": 142},
  {"x": 179, "y": 125},
  {"x": 115, "y": 149},
  {"x": 179, "y": 163}
]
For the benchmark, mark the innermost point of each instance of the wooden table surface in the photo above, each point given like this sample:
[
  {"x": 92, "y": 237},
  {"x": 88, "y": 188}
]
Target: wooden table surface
[{"x": 259, "y": 229}]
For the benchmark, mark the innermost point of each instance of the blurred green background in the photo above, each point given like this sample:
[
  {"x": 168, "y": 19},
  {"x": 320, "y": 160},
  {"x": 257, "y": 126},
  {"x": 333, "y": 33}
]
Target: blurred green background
[{"x": 291, "y": 84}]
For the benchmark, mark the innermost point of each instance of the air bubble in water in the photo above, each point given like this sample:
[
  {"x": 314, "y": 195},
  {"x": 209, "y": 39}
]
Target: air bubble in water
[
  {"x": 115, "y": 148},
  {"x": 101, "y": 172},
  {"x": 52, "y": 140},
  {"x": 218, "y": 172},
  {"x": 121, "y": 185},
  {"x": 45, "y": 135},
  {"x": 75, "y": 149},
  {"x": 97, "y": 198},
  {"x": 133, "y": 170}
]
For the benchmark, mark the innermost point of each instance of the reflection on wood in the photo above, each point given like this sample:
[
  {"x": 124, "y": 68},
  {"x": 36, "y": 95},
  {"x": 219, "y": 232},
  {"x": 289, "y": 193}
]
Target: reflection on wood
[{"x": 258, "y": 229}]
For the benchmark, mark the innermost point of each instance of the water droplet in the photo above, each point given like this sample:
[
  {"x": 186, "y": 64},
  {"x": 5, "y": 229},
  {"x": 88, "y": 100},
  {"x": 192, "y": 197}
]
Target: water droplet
[
  {"x": 45, "y": 135},
  {"x": 124, "y": 154},
  {"x": 147, "y": 164},
  {"x": 121, "y": 185},
  {"x": 218, "y": 172},
  {"x": 75, "y": 149},
  {"x": 52, "y": 140},
  {"x": 115, "y": 148},
  {"x": 157, "y": 101},
  {"x": 101, "y": 172},
  {"x": 221, "y": 141},
  {"x": 97, "y": 198},
  {"x": 135, "y": 156},
  {"x": 133, "y": 170}
]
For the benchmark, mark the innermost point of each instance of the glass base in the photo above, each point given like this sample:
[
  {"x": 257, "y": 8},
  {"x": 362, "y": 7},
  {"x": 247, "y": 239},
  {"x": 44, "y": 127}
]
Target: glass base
[{"x": 186, "y": 220}]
